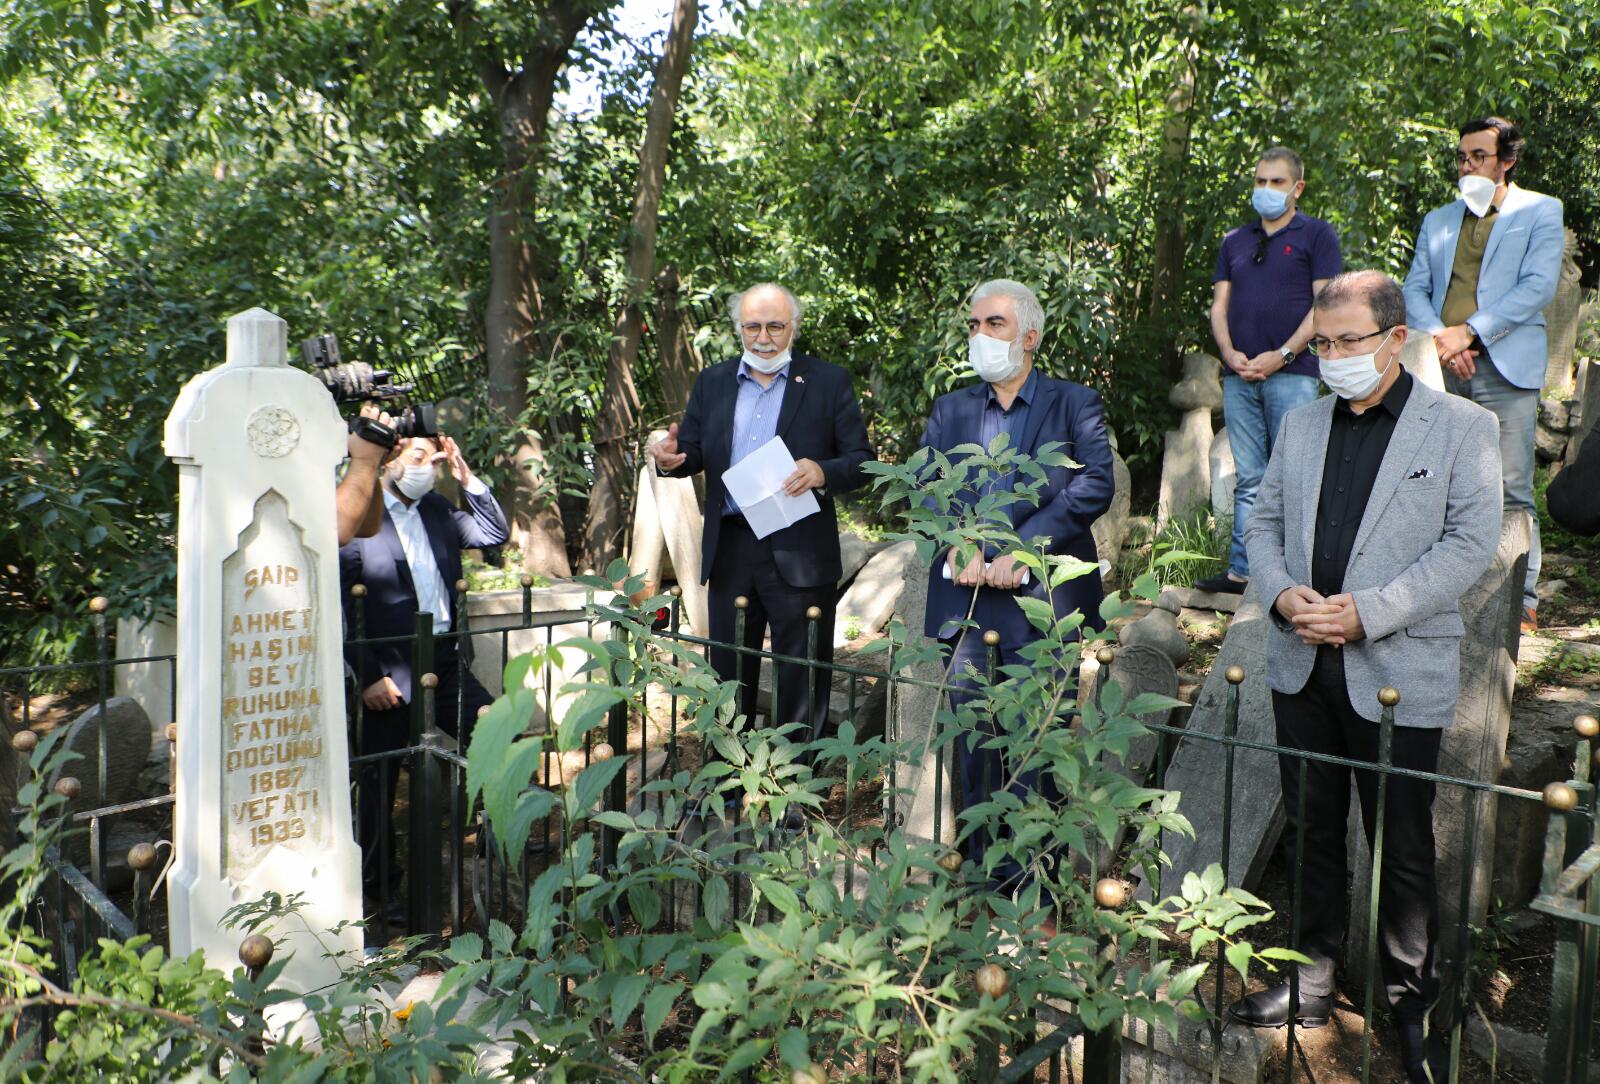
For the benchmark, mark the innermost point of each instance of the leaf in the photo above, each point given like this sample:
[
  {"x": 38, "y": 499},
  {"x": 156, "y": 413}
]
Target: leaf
[
  {"x": 714, "y": 899},
  {"x": 1239, "y": 954},
  {"x": 795, "y": 1048},
  {"x": 657, "y": 1004},
  {"x": 645, "y": 903},
  {"x": 778, "y": 894},
  {"x": 591, "y": 784},
  {"x": 625, "y": 994}
]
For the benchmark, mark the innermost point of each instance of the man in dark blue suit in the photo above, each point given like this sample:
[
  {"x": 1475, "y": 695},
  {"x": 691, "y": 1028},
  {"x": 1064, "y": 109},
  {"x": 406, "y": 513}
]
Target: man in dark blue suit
[
  {"x": 1004, "y": 327},
  {"x": 412, "y": 565},
  {"x": 734, "y": 408}
]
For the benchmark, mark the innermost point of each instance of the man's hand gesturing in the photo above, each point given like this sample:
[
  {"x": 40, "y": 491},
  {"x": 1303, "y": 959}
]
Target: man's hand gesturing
[{"x": 665, "y": 451}]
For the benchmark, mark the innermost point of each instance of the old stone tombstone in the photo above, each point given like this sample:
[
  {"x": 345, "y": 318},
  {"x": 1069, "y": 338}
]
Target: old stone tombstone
[
  {"x": 1198, "y": 767},
  {"x": 667, "y": 515},
  {"x": 149, "y": 683},
  {"x": 921, "y": 774},
  {"x": 1473, "y": 747},
  {"x": 1186, "y": 456},
  {"x": 1223, "y": 476},
  {"x": 1587, "y": 391},
  {"x": 1420, "y": 357},
  {"x": 263, "y": 797},
  {"x": 1561, "y": 320},
  {"x": 1111, "y": 529},
  {"x": 128, "y": 742},
  {"x": 871, "y": 600}
]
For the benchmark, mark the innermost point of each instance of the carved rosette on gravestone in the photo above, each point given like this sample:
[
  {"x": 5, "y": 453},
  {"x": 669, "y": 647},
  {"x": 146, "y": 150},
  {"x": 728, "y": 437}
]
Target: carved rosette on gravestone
[{"x": 263, "y": 802}]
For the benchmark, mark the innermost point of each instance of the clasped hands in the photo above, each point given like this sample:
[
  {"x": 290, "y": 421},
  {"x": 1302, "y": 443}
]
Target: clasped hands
[
  {"x": 1318, "y": 620},
  {"x": 1452, "y": 344},
  {"x": 1256, "y": 369},
  {"x": 807, "y": 473},
  {"x": 1003, "y": 572}
]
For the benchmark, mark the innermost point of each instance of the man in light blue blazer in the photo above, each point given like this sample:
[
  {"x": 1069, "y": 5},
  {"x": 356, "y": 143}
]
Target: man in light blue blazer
[{"x": 1484, "y": 270}]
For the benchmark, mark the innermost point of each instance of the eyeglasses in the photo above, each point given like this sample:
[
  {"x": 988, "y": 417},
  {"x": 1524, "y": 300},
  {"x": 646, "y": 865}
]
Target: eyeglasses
[
  {"x": 1477, "y": 158},
  {"x": 774, "y": 329},
  {"x": 1261, "y": 250},
  {"x": 1345, "y": 343}
]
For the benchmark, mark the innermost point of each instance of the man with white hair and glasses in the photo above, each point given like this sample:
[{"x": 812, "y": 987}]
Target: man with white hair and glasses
[{"x": 734, "y": 408}]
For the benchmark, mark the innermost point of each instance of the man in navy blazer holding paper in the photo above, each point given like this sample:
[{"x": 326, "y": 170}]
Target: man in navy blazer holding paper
[
  {"x": 1004, "y": 327},
  {"x": 734, "y": 408}
]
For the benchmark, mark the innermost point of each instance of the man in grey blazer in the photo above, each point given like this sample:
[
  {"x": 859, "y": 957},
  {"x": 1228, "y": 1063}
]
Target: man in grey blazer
[
  {"x": 1485, "y": 267},
  {"x": 1380, "y": 507}
]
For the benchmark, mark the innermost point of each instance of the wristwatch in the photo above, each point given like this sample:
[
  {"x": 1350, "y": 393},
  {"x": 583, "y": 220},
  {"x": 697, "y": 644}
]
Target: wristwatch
[{"x": 1288, "y": 355}]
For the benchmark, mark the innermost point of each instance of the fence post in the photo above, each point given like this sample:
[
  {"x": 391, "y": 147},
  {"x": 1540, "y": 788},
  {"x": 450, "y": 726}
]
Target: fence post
[
  {"x": 98, "y": 606},
  {"x": 424, "y": 902},
  {"x": 255, "y": 952},
  {"x": 616, "y": 744},
  {"x": 1388, "y": 697},
  {"x": 142, "y": 859}
]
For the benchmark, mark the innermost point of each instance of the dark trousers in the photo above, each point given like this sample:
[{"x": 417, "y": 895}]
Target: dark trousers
[
  {"x": 1319, "y": 719},
  {"x": 744, "y": 566},
  {"x": 981, "y": 772},
  {"x": 381, "y": 731}
]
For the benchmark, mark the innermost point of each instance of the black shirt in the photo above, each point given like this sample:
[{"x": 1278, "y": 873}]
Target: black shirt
[{"x": 1356, "y": 444}]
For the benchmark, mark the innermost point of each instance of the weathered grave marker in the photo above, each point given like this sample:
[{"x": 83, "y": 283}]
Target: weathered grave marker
[{"x": 263, "y": 802}]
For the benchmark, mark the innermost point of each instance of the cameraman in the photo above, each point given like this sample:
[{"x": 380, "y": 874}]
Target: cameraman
[{"x": 359, "y": 497}]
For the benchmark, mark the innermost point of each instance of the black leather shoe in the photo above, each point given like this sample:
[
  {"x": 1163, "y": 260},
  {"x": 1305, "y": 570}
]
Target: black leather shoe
[
  {"x": 1270, "y": 1009},
  {"x": 1417, "y": 1052},
  {"x": 1221, "y": 584}
]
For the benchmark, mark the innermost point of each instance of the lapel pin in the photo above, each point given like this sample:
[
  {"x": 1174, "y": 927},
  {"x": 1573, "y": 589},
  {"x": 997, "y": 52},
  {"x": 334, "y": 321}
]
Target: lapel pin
[{"x": 798, "y": 379}]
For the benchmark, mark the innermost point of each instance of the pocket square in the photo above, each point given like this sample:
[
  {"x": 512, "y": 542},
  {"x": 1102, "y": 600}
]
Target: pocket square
[{"x": 1423, "y": 473}]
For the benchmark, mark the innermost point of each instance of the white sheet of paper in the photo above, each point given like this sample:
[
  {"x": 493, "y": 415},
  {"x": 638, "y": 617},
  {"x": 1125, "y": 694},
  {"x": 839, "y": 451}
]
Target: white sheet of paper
[
  {"x": 1027, "y": 573},
  {"x": 756, "y": 485}
]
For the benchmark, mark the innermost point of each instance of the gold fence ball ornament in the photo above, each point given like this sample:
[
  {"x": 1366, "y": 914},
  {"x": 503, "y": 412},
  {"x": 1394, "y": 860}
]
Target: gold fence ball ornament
[
  {"x": 255, "y": 951},
  {"x": 430, "y": 681},
  {"x": 142, "y": 856},
  {"x": 1587, "y": 726},
  {"x": 461, "y": 585},
  {"x": 1106, "y": 656},
  {"x": 1110, "y": 893},
  {"x": 1235, "y": 675},
  {"x": 99, "y": 604},
  {"x": 813, "y": 613},
  {"x": 1388, "y": 696},
  {"x": 172, "y": 731},
  {"x": 1560, "y": 797},
  {"x": 950, "y": 861},
  {"x": 991, "y": 638},
  {"x": 588, "y": 572},
  {"x": 526, "y": 579},
  {"x": 992, "y": 980},
  {"x": 24, "y": 741},
  {"x": 601, "y": 751},
  {"x": 358, "y": 590},
  {"x": 675, "y": 591},
  {"x": 68, "y": 787},
  {"x": 741, "y": 603}
]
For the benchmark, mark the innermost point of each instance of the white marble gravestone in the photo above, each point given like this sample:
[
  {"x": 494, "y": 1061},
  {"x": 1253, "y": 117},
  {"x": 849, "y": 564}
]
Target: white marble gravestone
[{"x": 263, "y": 801}]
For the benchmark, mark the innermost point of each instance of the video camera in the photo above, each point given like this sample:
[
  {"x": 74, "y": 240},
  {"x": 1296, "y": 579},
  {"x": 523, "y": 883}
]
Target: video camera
[{"x": 358, "y": 382}]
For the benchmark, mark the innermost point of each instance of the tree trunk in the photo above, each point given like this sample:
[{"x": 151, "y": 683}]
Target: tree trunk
[
  {"x": 619, "y": 414},
  {"x": 1170, "y": 235},
  {"x": 522, "y": 100},
  {"x": 680, "y": 358}
]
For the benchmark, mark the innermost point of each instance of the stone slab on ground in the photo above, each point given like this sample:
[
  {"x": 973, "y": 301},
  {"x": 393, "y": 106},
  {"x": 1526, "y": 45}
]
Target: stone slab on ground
[
  {"x": 872, "y": 597},
  {"x": 1190, "y": 599},
  {"x": 1539, "y": 750},
  {"x": 854, "y": 552},
  {"x": 1197, "y": 770}
]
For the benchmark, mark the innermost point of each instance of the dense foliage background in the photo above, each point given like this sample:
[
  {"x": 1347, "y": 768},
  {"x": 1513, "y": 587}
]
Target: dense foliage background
[{"x": 336, "y": 161}]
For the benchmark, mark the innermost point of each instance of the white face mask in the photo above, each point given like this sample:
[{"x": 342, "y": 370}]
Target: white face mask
[
  {"x": 1478, "y": 192},
  {"x": 1354, "y": 377},
  {"x": 994, "y": 360},
  {"x": 767, "y": 366},
  {"x": 416, "y": 483}
]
